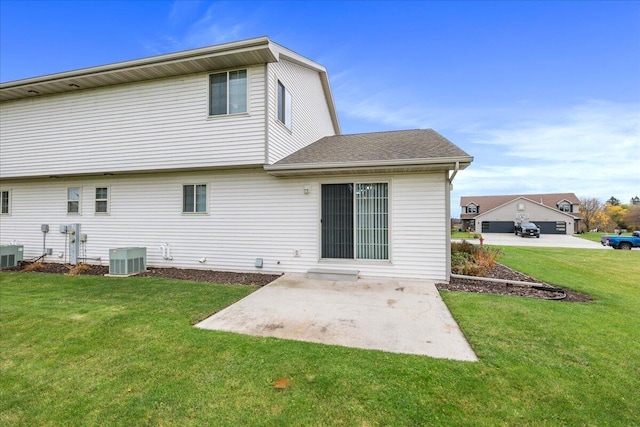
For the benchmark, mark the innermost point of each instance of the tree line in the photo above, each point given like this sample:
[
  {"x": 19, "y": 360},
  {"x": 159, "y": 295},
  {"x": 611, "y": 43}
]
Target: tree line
[{"x": 610, "y": 215}]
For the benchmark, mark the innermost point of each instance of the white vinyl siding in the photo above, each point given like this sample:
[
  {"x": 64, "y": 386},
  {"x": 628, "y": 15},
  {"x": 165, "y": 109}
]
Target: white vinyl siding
[
  {"x": 146, "y": 126},
  {"x": 310, "y": 118},
  {"x": 251, "y": 215}
]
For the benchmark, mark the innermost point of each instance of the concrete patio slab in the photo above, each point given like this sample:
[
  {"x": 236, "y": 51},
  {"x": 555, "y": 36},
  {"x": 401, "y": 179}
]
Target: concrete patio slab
[{"x": 393, "y": 315}]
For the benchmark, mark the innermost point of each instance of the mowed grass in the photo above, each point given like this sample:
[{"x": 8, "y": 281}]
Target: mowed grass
[
  {"x": 111, "y": 351},
  {"x": 595, "y": 237},
  {"x": 467, "y": 235}
]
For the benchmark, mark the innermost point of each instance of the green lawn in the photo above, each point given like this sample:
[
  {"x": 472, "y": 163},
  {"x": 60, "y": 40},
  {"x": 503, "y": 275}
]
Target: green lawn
[
  {"x": 595, "y": 237},
  {"x": 122, "y": 351},
  {"x": 465, "y": 235}
]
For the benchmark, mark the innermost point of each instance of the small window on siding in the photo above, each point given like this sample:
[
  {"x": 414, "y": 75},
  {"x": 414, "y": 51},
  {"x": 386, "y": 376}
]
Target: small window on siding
[
  {"x": 5, "y": 200},
  {"x": 228, "y": 93},
  {"x": 472, "y": 208},
  {"x": 564, "y": 206},
  {"x": 73, "y": 200},
  {"x": 194, "y": 198},
  {"x": 102, "y": 199},
  {"x": 284, "y": 105}
]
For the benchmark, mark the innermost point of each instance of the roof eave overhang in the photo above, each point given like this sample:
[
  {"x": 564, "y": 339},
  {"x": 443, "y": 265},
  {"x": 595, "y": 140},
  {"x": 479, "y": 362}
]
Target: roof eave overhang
[
  {"x": 229, "y": 55},
  {"x": 368, "y": 167}
]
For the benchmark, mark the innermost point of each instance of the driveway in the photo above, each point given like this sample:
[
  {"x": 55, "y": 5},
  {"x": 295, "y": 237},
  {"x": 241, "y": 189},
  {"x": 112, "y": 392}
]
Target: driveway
[
  {"x": 398, "y": 316},
  {"x": 545, "y": 240}
]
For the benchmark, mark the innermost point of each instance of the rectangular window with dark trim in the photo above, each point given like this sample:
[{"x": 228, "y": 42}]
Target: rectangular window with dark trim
[
  {"x": 284, "y": 105},
  {"x": 102, "y": 199},
  {"x": 73, "y": 200},
  {"x": 194, "y": 198},
  {"x": 4, "y": 202},
  {"x": 228, "y": 93}
]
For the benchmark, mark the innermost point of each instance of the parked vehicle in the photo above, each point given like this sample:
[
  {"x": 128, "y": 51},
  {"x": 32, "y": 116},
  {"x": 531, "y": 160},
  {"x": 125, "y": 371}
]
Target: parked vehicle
[
  {"x": 527, "y": 229},
  {"x": 622, "y": 242}
]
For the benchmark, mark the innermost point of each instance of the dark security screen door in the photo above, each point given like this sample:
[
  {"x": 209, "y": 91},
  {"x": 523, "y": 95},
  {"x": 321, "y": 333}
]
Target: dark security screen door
[{"x": 337, "y": 221}]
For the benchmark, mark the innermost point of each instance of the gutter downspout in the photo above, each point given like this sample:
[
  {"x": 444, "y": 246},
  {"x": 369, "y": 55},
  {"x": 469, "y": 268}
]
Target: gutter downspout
[
  {"x": 448, "y": 223},
  {"x": 455, "y": 172}
]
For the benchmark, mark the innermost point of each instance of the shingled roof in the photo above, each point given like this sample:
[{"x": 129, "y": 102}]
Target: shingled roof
[
  {"x": 393, "y": 151},
  {"x": 487, "y": 203}
]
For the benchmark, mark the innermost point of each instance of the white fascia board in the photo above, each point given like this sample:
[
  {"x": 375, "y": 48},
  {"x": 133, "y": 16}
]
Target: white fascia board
[
  {"x": 448, "y": 163},
  {"x": 164, "y": 59}
]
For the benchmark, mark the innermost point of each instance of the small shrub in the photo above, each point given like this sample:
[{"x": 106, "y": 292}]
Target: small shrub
[
  {"x": 34, "y": 266},
  {"x": 463, "y": 246},
  {"x": 472, "y": 260},
  {"x": 79, "y": 269}
]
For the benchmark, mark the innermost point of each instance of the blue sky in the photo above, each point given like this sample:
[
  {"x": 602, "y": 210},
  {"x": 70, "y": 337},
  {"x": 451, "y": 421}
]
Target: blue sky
[{"x": 545, "y": 95}]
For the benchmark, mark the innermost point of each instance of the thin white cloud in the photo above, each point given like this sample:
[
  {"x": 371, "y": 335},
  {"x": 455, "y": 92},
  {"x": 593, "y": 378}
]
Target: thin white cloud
[
  {"x": 592, "y": 149},
  {"x": 190, "y": 26},
  {"x": 212, "y": 28}
]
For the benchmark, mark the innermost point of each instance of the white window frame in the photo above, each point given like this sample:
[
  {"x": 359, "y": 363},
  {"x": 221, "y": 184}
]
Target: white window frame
[
  {"x": 472, "y": 208},
  {"x": 228, "y": 106},
  {"x": 106, "y": 200},
  {"x": 195, "y": 199},
  {"x": 78, "y": 201},
  {"x": 8, "y": 198},
  {"x": 283, "y": 105}
]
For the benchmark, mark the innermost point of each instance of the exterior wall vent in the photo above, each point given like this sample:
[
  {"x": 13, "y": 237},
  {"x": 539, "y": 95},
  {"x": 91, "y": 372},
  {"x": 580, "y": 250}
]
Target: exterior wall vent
[
  {"x": 11, "y": 255},
  {"x": 127, "y": 261}
]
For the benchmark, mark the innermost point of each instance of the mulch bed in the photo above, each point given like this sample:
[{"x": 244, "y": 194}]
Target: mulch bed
[
  {"x": 226, "y": 277},
  {"x": 503, "y": 272}
]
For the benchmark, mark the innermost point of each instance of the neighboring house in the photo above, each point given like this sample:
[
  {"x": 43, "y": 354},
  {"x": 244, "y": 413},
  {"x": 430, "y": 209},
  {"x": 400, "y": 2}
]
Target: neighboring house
[
  {"x": 227, "y": 157},
  {"x": 554, "y": 213}
]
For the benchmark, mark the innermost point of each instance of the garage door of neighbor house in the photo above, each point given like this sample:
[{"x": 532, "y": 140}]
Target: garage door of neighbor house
[
  {"x": 552, "y": 227},
  {"x": 497, "y": 227}
]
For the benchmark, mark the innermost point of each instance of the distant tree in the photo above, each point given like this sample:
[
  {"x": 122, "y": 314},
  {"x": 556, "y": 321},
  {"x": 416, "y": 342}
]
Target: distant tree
[
  {"x": 632, "y": 217},
  {"x": 635, "y": 201},
  {"x": 589, "y": 209},
  {"x": 602, "y": 221},
  {"x": 616, "y": 213},
  {"x": 613, "y": 201}
]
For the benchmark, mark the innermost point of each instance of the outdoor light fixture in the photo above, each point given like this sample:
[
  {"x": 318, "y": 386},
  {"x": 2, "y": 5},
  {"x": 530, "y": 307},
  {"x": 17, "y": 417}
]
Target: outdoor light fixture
[{"x": 306, "y": 189}]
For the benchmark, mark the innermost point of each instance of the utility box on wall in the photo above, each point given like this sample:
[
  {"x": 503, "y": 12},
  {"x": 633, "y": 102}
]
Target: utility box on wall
[
  {"x": 10, "y": 255},
  {"x": 126, "y": 261}
]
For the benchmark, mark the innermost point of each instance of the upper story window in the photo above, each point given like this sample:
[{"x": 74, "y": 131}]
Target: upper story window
[
  {"x": 194, "y": 198},
  {"x": 564, "y": 206},
  {"x": 228, "y": 93},
  {"x": 472, "y": 208},
  {"x": 284, "y": 105},
  {"x": 102, "y": 199},
  {"x": 4, "y": 202},
  {"x": 73, "y": 200}
]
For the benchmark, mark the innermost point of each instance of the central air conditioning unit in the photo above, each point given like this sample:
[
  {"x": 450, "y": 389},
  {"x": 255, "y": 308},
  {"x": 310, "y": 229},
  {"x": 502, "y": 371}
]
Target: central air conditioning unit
[
  {"x": 127, "y": 261},
  {"x": 10, "y": 255}
]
